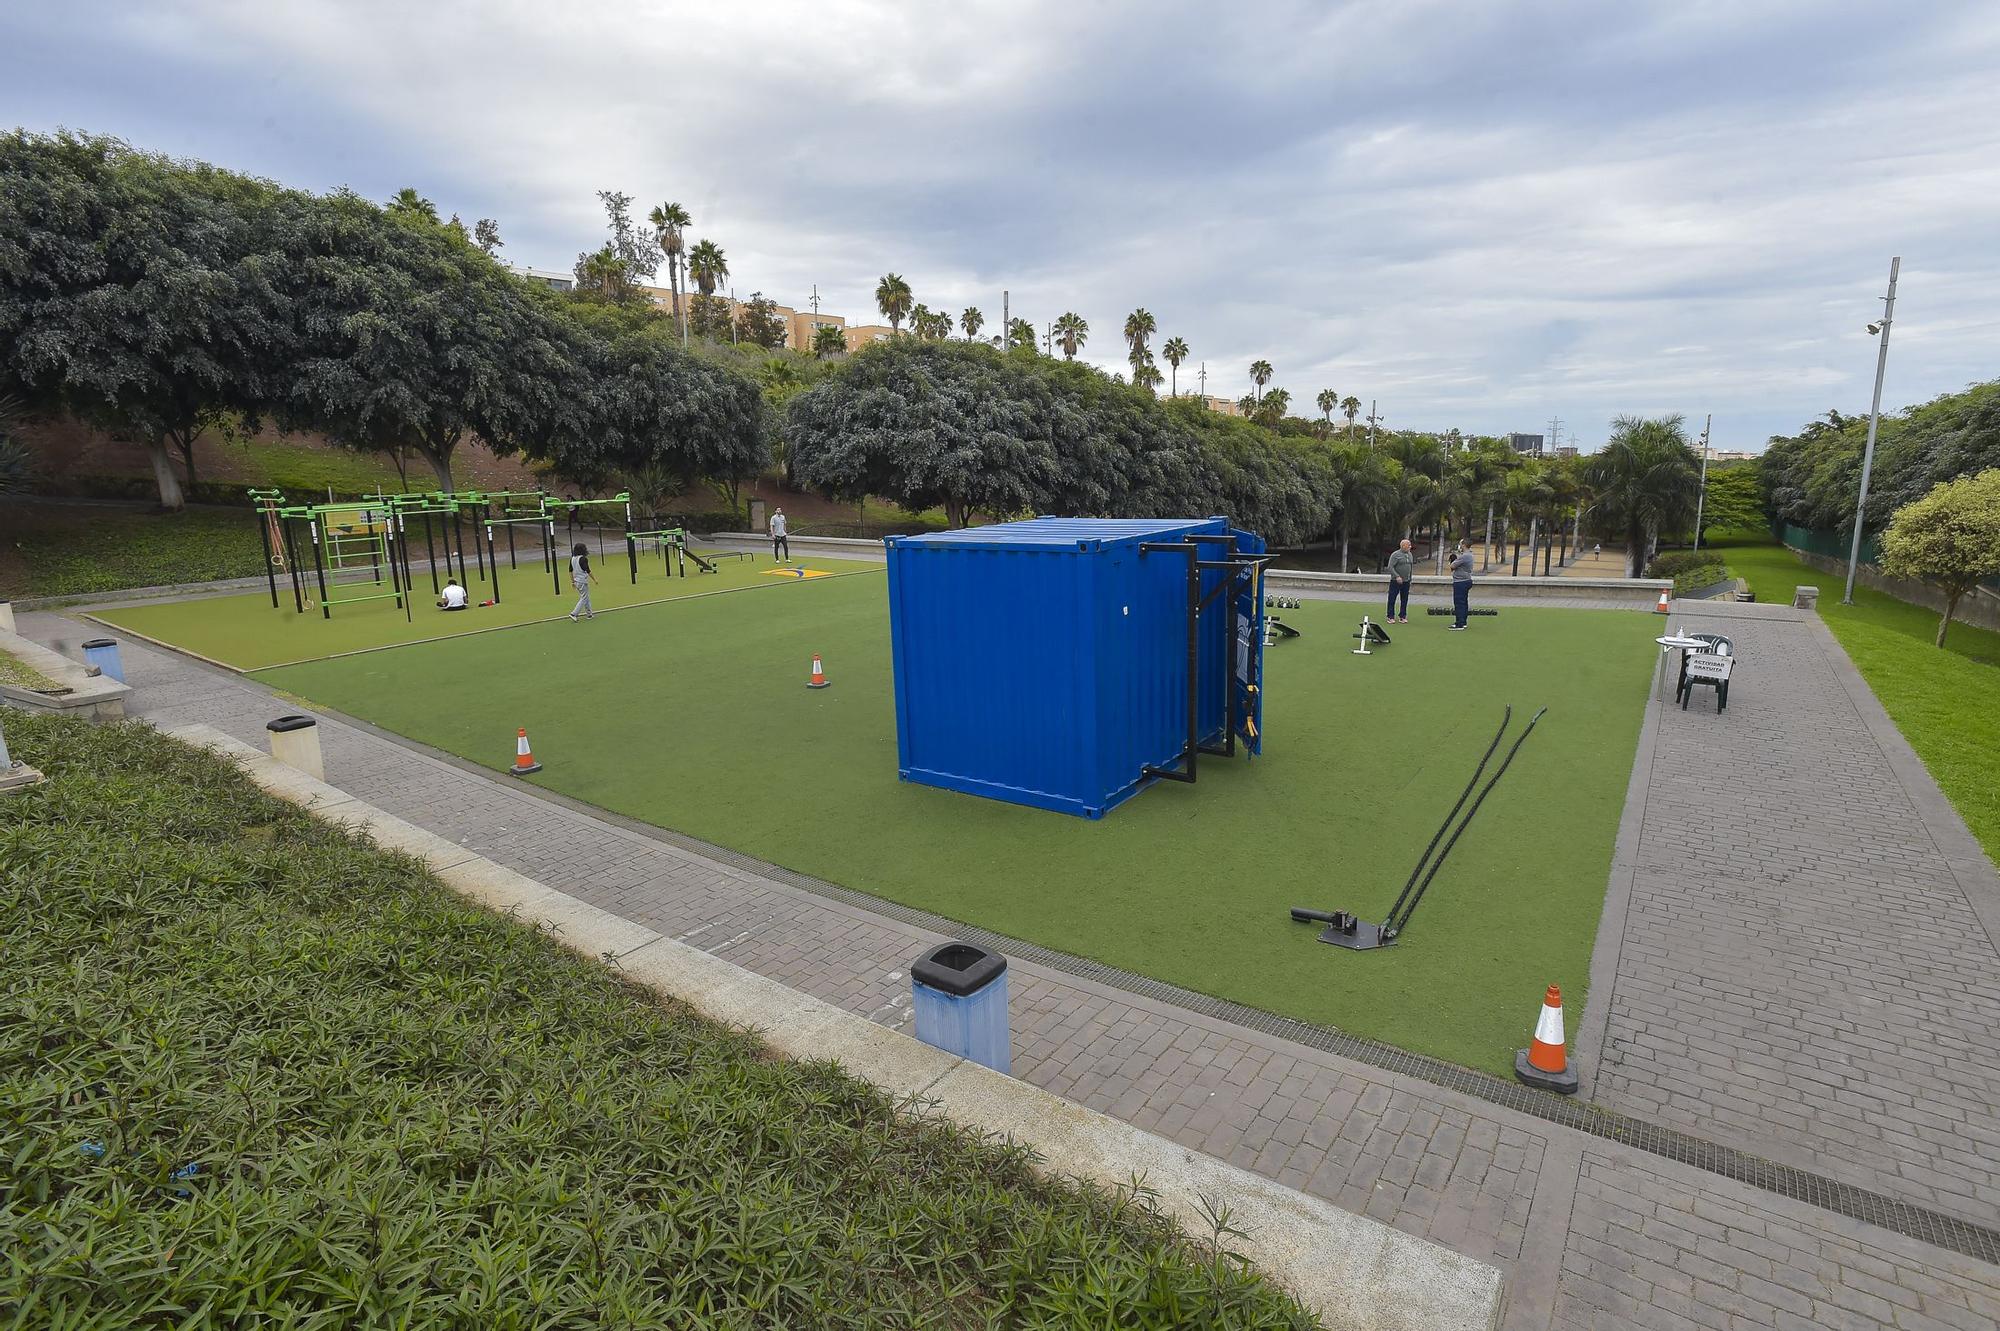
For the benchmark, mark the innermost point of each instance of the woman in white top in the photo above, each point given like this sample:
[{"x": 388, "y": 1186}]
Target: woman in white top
[{"x": 581, "y": 577}]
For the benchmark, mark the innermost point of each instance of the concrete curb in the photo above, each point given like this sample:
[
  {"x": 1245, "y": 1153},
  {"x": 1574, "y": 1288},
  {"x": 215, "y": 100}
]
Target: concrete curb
[
  {"x": 1355, "y": 1273},
  {"x": 98, "y": 696}
]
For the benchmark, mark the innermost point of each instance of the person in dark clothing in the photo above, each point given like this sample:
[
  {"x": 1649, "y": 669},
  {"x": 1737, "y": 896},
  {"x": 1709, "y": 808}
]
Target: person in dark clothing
[
  {"x": 1402, "y": 567},
  {"x": 1461, "y": 586}
]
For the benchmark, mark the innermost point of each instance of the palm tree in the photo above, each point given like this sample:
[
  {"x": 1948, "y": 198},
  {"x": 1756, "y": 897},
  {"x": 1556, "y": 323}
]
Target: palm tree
[
  {"x": 920, "y": 321},
  {"x": 1145, "y": 374},
  {"x": 409, "y": 203},
  {"x": 602, "y": 272},
  {"x": 971, "y": 321},
  {"x": 828, "y": 341},
  {"x": 707, "y": 266},
  {"x": 1327, "y": 401},
  {"x": 669, "y": 220},
  {"x": 1646, "y": 477},
  {"x": 1260, "y": 374},
  {"x": 1350, "y": 407},
  {"x": 1020, "y": 333},
  {"x": 1273, "y": 406},
  {"x": 893, "y": 298},
  {"x": 1072, "y": 332},
  {"x": 1139, "y": 326},
  {"x": 1176, "y": 351}
]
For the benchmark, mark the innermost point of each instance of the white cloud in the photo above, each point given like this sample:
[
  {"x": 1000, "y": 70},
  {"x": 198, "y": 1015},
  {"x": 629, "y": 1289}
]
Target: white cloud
[{"x": 1479, "y": 214}]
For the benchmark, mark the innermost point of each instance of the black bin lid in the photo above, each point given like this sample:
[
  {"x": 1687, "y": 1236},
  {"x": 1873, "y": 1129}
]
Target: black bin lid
[
  {"x": 958, "y": 969},
  {"x": 285, "y": 723},
  {"x": 102, "y": 642}
]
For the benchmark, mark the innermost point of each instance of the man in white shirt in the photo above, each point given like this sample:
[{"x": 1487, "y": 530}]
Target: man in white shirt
[
  {"x": 781, "y": 549},
  {"x": 452, "y": 597}
]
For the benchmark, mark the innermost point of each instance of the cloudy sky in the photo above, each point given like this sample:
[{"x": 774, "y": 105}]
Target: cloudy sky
[{"x": 1480, "y": 214}]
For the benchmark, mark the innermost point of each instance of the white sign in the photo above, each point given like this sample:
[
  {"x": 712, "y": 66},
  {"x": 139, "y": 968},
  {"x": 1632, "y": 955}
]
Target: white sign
[{"x": 1707, "y": 665}]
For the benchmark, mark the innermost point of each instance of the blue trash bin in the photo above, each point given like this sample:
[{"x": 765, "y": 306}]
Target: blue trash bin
[
  {"x": 960, "y": 995},
  {"x": 103, "y": 653}
]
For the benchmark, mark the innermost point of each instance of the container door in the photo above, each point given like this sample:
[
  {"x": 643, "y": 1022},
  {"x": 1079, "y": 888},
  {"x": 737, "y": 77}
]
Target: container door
[{"x": 1247, "y": 672}]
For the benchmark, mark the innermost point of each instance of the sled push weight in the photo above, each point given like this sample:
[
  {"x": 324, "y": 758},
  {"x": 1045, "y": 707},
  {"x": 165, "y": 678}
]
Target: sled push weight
[{"x": 1344, "y": 930}]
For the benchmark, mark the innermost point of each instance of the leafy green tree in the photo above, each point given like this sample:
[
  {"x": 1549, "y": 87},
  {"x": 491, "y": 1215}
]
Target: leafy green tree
[
  {"x": 1647, "y": 479},
  {"x": 893, "y": 298},
  {"x": 636, "y": 250},
  {"x": 135, "y": 292},
  {"x": 947, "y": 424},
  {"x": 1736, "y": 500},
  {"x": 17, "y": 465},
  {"x": 1260, "y": 374},
  {"x": 758, "y": 322},
  {"x": 1071, "y": 333},
  {"x": 486, "y": 235},
  {"x": 829, "y": 341},
  {"x": 670, "y": 222},
  {"x": 1174, "y": 351},
  {"x": 1950, "y": 539},
  {"x": 971, "y": 321},
  {"x": 658, "y": 410},
  {"x": 1812, "y": 477}
]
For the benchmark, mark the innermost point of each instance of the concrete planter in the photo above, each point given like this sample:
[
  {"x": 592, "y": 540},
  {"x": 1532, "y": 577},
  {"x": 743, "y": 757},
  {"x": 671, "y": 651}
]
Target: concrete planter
[{"x": 96, "y": 696}]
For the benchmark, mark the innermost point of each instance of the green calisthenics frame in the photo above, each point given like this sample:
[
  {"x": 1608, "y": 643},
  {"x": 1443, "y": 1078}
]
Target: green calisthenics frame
[
  {"x": 346, "y": 536},
  {"x": 548, "y": 509}
]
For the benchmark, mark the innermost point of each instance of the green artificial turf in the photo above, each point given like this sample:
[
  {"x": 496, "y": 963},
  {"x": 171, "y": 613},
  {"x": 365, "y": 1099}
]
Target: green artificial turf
[
  {"x": 696, "y": 717},
  {"x": 245, "y": 632},
  {"x": 1946, "y": 702}
]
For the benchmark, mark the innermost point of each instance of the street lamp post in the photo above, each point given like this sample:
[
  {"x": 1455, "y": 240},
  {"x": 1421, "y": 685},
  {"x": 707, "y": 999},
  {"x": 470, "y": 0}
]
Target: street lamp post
[
  {"x": 1701, "y": 500},
  {"x": 1874, "y": 423}
]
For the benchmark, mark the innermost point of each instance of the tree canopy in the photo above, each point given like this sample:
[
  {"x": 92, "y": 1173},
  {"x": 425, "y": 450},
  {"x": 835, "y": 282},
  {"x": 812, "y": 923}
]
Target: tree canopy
[{"x": 1950, "y": 538}]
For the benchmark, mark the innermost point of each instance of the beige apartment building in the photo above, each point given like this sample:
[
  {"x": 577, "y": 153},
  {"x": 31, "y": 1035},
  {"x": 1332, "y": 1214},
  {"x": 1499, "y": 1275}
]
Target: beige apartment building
[
  {"x": 1220, "y": 405},
  {"x": 800, "y": 325}
]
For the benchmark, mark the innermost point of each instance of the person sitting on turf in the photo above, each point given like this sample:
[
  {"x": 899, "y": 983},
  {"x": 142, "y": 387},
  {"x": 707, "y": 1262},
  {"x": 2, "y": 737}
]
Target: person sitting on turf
[
  {"x": 1402, "y": 567},
  {"x": 452, "y": 597}
]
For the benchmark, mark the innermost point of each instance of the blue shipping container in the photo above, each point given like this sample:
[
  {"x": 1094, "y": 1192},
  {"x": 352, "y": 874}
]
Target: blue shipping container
[{"x": 1046, "y": 662}]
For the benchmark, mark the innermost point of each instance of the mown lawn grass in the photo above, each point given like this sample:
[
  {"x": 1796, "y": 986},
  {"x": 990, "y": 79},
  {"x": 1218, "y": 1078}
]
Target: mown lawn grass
[
  {"x": 1946, "y": 702},
  {"x": 255, "y": 1072},
  {"x": 66, "y": 549},
  {"x": 694, "y": 716}
]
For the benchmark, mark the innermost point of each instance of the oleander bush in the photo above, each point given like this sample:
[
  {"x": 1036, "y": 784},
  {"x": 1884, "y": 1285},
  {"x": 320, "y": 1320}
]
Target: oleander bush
[{"x": 254, "y": 1071}]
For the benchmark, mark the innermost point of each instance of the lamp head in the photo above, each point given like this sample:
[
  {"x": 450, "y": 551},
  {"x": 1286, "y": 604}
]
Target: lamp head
[{"x": 1874, "y": 328}]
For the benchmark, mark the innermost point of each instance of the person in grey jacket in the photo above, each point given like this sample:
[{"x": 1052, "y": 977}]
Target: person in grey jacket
[
  {"x": 1461, "y": 586},
  {"x": 1402, "y": 567}
]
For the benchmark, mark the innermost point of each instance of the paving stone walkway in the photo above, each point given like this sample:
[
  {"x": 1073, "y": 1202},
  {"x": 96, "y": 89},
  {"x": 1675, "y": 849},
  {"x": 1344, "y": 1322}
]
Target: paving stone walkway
[{"x": 1590, "y": 1233}]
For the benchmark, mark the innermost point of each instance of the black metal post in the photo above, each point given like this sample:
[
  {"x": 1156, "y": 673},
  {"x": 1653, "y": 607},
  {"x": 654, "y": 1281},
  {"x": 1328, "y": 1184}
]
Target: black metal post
[
  {"x": 549, "y": 543},
  {"x": 289, "y": 535},
  {"x": 264, "y": 521},
  {"x": 319, "y": 568}
]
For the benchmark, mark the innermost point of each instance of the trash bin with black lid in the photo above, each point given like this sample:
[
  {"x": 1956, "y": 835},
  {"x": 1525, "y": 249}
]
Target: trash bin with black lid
[
  {"x": 103, "y": 653},
  {"x": 960, "y": 995}
]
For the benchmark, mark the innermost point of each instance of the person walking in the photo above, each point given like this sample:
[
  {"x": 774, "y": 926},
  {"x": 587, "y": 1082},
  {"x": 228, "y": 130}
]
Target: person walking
[
  {"x": 1461, "y": 586},
  {"x": 781, "y": 548},
  {"x": 1402, "y": 567},
  {"x": 580, "y": 577}
]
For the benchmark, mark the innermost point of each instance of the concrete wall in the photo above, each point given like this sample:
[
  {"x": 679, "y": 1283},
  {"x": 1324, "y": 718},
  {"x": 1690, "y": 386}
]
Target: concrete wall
[{"x": 1980, "y": 609}]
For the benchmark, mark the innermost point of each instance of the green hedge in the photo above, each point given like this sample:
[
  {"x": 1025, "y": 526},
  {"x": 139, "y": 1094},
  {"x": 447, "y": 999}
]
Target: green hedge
[{"x": 257, "y": 1072}]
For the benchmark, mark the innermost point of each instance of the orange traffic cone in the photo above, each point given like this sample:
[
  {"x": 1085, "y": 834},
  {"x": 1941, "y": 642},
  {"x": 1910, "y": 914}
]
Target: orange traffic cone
[
  {"x": 818, "y": 680},
  {"x": 1542, "y": 1063},
  {"x": 1661, "y": 608},
  {"x": 524, "y": 761}
]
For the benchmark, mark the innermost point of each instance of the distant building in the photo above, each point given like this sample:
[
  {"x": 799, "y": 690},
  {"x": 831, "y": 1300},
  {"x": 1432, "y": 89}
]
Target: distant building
[
  {"x": 1566, "y": 450},
  {"x": 549, "y": 277},
  {"x": 1731, "y": 455},
  {"x": 860, "y": 335},
  {"x": 1222, "y": 406},
  {"x": 1525, "y": 443}
]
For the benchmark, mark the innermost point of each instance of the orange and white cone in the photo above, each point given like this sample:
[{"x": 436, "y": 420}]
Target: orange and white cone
[
  {"x": 524, "y": 761},
  {"x": 818, "y": 680},
  {"x": 1661, "y": 608},
  {"x": 1543, "y": 1063}
]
